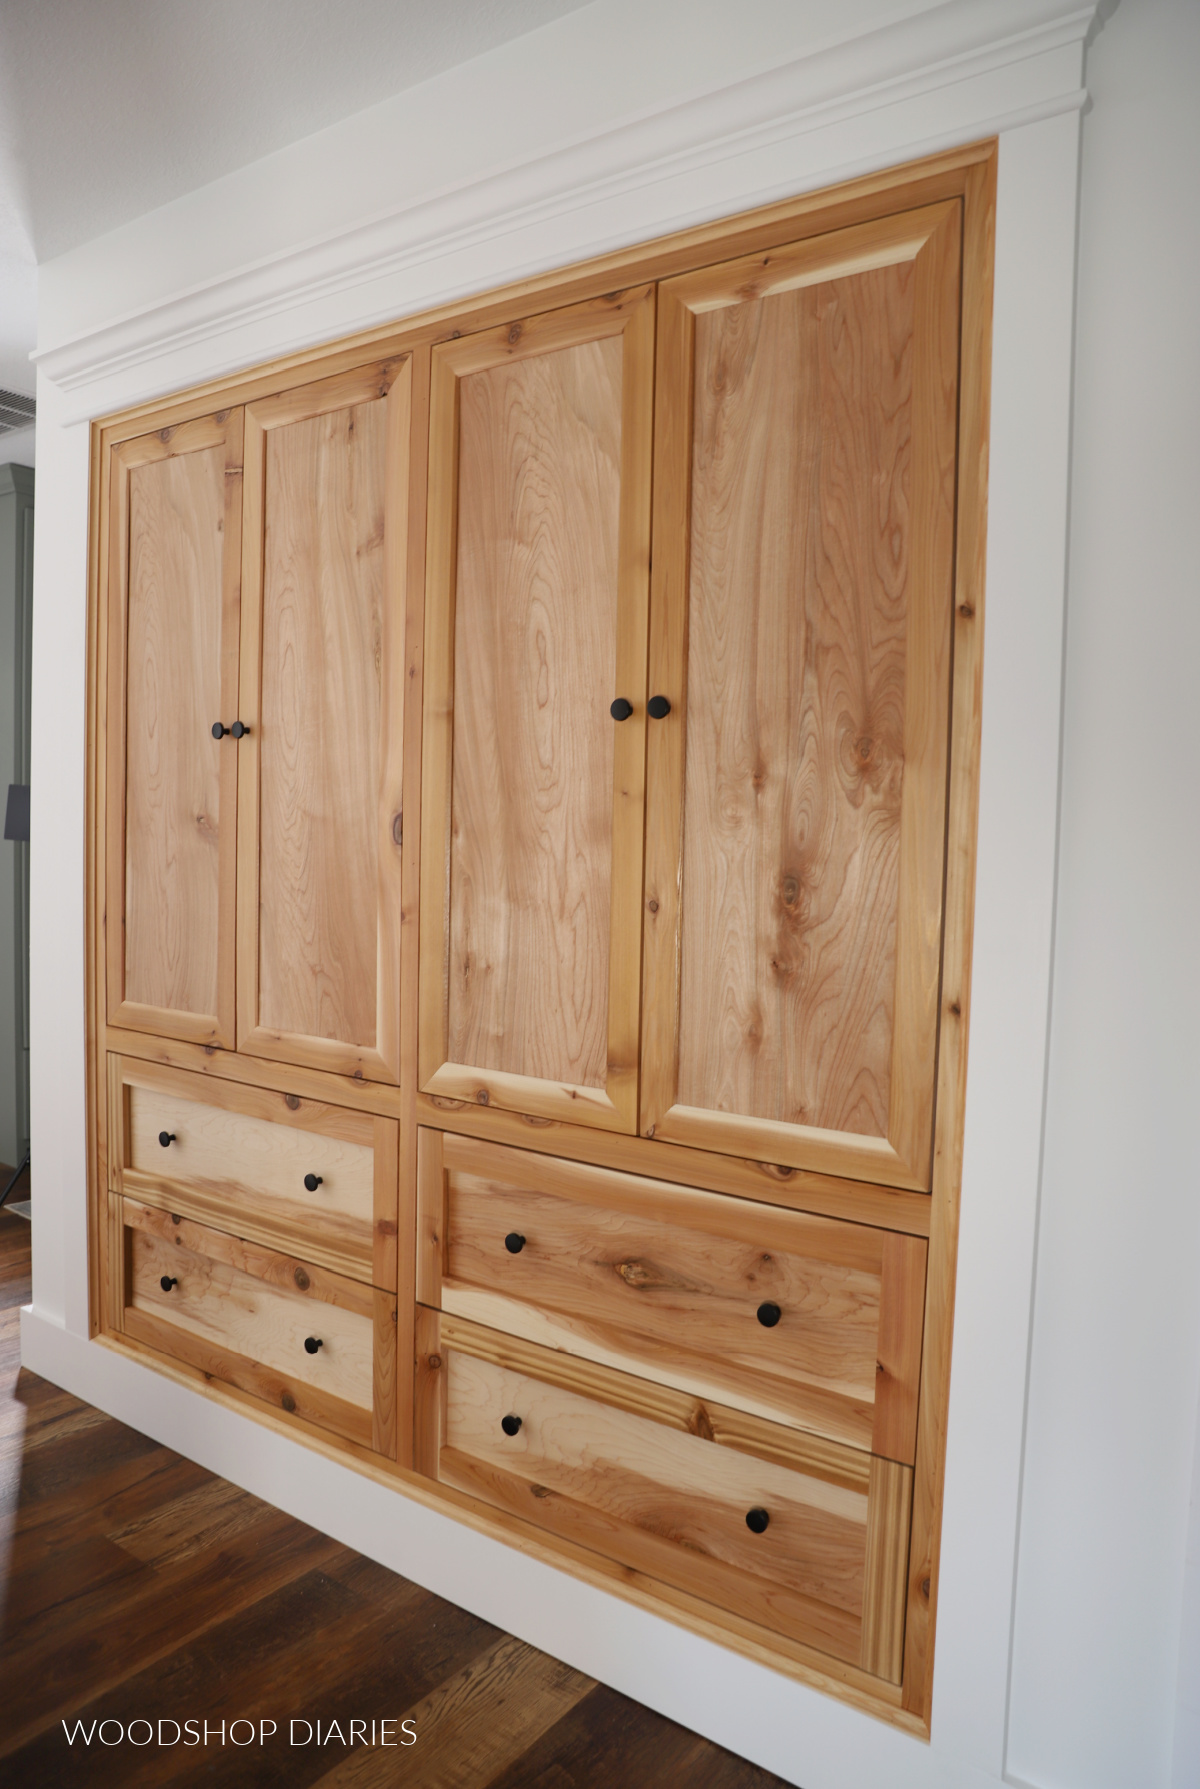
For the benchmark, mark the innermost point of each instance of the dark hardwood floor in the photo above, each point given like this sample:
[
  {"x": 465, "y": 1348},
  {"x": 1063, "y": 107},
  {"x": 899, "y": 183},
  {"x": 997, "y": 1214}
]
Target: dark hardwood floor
[{"x": 137, "y": 1588}]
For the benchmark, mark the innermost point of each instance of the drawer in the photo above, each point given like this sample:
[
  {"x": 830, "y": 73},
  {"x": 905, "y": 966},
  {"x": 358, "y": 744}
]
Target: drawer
[
  {"x": 803, "y": 1320},
  {"x": 243, "y": 1314},
  {"x": 674, "y": 1488},
  {"x": 246, "y": 1159}
]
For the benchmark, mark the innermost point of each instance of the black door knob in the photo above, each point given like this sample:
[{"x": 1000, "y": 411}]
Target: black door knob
[
  {"x": 510, "y": 1424},
  {"x": 312, "y": 1343},
  {"x": 768, "y": 1315},
  {"x": 757, "y": 1521},
  {"x": 166, "y": 1138},
  {"x": 312, "y": 1182},
  {"x": 218, "y": 731},
  {"x": 620, "y": 709},
  {"x": 658, "y": 708},
  {"x": 514, "y": 1242},
  {"x": 167, "y": 1282},
  {"x": 239, "y": 729}
]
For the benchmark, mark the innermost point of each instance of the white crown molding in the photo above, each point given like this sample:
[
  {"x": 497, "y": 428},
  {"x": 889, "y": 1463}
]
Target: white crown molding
[{"x": 987, "y": 78}]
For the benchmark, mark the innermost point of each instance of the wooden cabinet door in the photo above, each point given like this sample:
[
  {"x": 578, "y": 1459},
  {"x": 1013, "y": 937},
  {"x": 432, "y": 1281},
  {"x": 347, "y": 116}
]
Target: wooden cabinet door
[
  {"x": 801, "y": 629},
  {"x": 322, "y": 692},
  {"x": 171, "y": 787},
  {"x": 532, "y": 810}
]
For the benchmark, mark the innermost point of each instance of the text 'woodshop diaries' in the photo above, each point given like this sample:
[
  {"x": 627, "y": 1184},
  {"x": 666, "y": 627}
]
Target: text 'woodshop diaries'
[{"x": 299, "y": 1732}]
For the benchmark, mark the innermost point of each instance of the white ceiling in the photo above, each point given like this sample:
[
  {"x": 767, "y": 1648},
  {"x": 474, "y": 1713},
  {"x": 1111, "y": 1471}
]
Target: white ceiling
[{"x": 109, "y": 108}]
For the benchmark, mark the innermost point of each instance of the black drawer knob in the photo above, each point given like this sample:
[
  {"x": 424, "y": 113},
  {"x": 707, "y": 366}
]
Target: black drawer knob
[
  {"x": 218, "y": 731},
  {"x": 312, "y": 1343},
  {"x": 510, "y": 1424},
  {"x": 166, "y": 1138},
  {"x": 658, "y": 708},
  {"x": 620, "y": 709},
  {"x": 514, "y": 1242},
  {"x": 239, "y": 729},
  {"x": 757, "y": 1521},
  {"x": 167, "y": 1282},
  {"x": 312, "y": 1182},
  {"x": 768, "y": 1315}
]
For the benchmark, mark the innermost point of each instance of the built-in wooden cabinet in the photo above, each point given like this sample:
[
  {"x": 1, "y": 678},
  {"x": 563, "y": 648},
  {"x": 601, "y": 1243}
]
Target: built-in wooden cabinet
[{"x": 534, "y": 763}]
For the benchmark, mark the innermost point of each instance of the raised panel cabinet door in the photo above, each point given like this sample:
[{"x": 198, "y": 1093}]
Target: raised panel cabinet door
[
  {"x": 171, "y": 786},
  {"x": 322, "y": 673},
  {"x": 535, "y": 712},
  {"x": 801, "y": 621}
]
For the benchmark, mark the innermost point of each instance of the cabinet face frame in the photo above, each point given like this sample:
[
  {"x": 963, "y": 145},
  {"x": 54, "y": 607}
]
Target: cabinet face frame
[
  {"x": 930, "y": 239},
  {"x": 222, "y": 431},
  {"x": 391, "y": 380},
  {"x": 966, "y": 173},
  {"x": 629, "y": 315}
]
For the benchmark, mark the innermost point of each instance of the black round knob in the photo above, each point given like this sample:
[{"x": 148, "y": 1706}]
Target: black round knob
[
  {"x": 768, "y": 1315},
  {"x": 239, "y": 729},
  {"x": 510, "y": 1424},
  {"x": 658, "y": 708},
  {"x": 166, "y": 1138},
  {"x": 620, "y": 709},
  {"x": 167, "y": 1282},
  {"x": 312, "y": 1182},
  {"x": 218, "y": 731},
  {"x": 757, "y": 1521},
  {"x": 514, "y": 1242},
  {"x": 312, "y": 1343}
]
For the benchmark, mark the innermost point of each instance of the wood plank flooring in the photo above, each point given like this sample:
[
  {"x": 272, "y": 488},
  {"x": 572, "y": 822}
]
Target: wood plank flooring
[{"x": 135, "y": 1587}]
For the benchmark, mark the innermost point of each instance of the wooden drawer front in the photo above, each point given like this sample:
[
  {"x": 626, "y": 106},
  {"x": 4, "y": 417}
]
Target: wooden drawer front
[
  {"x": 243, "y": 1313},
  {"x": 239, "y": 1156},
  {"x": 612, "y": 1466},
  {"x": 668, "y": 1282}
]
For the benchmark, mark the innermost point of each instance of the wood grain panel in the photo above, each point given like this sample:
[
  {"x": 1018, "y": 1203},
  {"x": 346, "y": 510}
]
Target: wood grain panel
[
  {"x": 672, "y": 1503},
  {"x": 533, "y": 803},
  {"x": 323, "y": 695},
  {"x": 535, "y": 651},
  {"x": 233, "y": 1310},
  {"x": 807, "y": 580},
  {"x": 172, "y": 791},
  {"x": 667, "y": 1282},
  {"x": 238, "y": 1159}
]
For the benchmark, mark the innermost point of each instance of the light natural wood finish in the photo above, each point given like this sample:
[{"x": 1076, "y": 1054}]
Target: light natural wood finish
[
  {"x": 431, "y": 1218},
  {"x": 239, "y": 1160},
  {"x": 961, "y": 831},
  {"x": 429, "y": 1392},
  {"x": 171, "y": 788},
  {"x": 884, "y": 1578},
  {"x": 665, "y": 1281},
  {"x": 537, "y": 584},
  {"x": 668, "y": 1503},
  {"x": 235, "y": 1298},
  {"x": 792, "y": 1188},
  {"x": 802, "y": 598},
  {"x": 601, "y": 1468},
  {"x": 719, "y": 1423},
  {"x": 322, "y": 691}
]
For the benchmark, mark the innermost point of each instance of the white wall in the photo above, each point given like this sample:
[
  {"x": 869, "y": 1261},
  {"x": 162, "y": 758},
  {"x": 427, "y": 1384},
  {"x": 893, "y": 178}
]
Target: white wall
[
  {"x": 1115, "y": 1366},
  {"x": 765, "y": 103}
]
